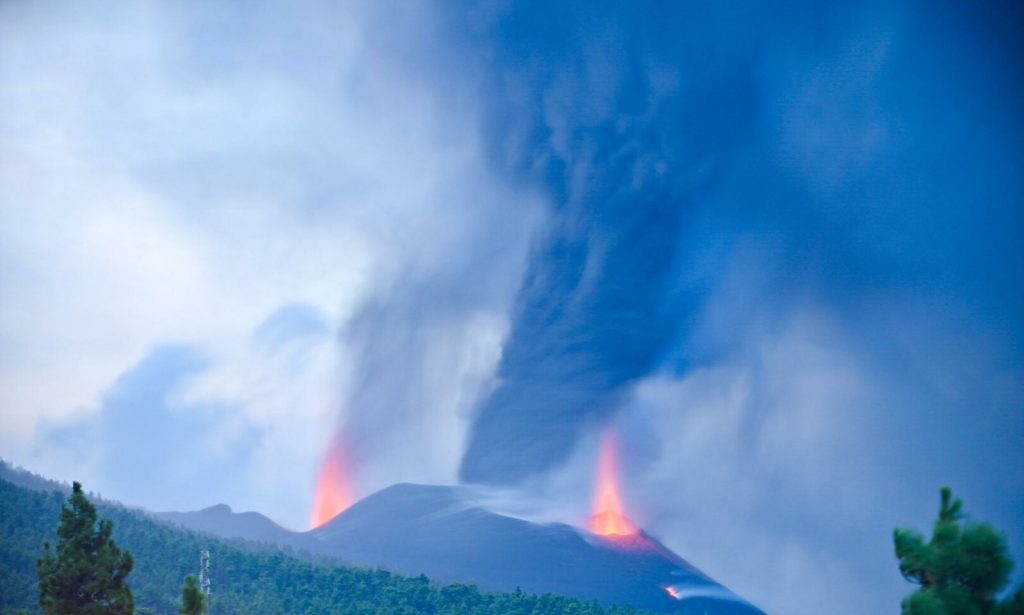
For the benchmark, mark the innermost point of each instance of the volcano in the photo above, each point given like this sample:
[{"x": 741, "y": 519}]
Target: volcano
[{"x": 448, "y": 534}]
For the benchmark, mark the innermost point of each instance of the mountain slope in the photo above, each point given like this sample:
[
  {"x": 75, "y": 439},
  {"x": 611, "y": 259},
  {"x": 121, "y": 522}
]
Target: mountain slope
[
  {"x": 246, "y": 579},
  {"x": 443, "y": 533}
]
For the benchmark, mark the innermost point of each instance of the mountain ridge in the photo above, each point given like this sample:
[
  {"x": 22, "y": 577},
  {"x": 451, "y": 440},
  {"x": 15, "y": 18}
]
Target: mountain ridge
[
  {"x": 247, "y": 579},
  {"x": 446, "y": 534}
]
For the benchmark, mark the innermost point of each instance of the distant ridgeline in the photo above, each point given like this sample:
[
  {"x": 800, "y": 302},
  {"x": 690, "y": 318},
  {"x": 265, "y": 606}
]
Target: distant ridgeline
[{"x": 247, "y": 578}]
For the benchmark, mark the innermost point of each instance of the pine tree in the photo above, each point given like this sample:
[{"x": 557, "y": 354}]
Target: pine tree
[
  {"x": 86, "y": 575},
  {"x": 192, "y": 602},
  {"x": 961, "y": 569}
]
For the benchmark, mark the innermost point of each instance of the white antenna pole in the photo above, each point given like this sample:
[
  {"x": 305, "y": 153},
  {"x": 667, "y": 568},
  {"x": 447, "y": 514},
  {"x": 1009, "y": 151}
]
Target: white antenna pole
[{"x": 204, "y": 576}]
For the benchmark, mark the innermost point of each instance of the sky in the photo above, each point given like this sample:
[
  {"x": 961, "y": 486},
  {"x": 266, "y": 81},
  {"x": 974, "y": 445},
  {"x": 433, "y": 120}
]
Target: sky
[{"x": 774, "y": 246}]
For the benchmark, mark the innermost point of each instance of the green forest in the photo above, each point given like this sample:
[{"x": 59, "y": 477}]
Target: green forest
[{"x": 247, "y": 578}]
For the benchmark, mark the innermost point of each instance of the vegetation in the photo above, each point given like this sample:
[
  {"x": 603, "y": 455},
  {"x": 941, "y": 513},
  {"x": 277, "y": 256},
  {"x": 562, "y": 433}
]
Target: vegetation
[
  {"x": 86, "y": 575},
  {"x": 192, "y": 602},
  {"x": 246, "y": 578},
  {"x": 961, "y": 570}
]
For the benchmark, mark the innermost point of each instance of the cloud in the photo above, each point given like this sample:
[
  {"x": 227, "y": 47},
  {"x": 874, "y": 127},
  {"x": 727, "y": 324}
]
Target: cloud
[
  {"x": 812, "y": 204},
  {"x": 183, "y": 428},
  {"x": 666, "y": 156},
  {"x": 762, "y": 476},
  {"x": 775, "y": 245},
  {"x": 176, "y": 175}
]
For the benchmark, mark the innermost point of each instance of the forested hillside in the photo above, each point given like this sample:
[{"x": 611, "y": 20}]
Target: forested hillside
[{"x": 247, "y": 579}]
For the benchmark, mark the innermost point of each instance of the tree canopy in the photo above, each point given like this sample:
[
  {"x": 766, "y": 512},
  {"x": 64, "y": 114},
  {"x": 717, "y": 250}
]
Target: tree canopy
[
  {"x": 192, "y": 601},
  {"x": 86, "y": 574},
  {"x": 961, "y": 570}
]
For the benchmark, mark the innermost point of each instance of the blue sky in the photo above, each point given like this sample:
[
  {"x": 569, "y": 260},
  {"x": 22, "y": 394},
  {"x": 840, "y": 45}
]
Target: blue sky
[{"x": 777, "y": 246}]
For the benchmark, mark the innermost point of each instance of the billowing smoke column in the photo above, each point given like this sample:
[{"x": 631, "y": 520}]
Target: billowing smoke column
[
  {"x": 588, "y": 103},
  {"x": 720, "y": 176},
  {"x": 774, "y": 154}
]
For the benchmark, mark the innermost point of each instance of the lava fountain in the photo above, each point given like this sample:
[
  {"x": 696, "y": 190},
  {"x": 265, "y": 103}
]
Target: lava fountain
[
  {"x": 333, "y": 491},
  {"x": 608, "y": 518}
]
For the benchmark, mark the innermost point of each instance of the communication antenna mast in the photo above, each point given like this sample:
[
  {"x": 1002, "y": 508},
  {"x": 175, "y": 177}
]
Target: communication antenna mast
[{"x": 204, "y": 576}]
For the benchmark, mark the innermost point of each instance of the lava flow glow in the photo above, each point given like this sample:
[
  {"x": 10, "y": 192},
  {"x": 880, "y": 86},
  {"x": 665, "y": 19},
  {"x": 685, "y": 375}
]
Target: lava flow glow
[
  {"x": 333, "y": 493},
  {"x": 608, "y": 518}
]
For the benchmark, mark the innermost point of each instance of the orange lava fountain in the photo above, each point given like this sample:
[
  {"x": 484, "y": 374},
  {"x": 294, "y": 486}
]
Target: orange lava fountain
[
  {"x": 333, "y": 492},
  {"x": 608, "y": 518}
]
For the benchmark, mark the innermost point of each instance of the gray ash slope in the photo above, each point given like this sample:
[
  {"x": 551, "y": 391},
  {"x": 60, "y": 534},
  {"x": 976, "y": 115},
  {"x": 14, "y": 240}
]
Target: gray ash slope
[{"x": 446, "y": 534}]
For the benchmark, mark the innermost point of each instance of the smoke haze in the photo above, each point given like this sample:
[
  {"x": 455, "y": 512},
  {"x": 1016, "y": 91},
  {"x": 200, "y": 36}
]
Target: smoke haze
[{"x": 776, "y": 245}]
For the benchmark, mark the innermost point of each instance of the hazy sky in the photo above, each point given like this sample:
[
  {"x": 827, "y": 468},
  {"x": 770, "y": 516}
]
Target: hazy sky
[{"x": 776, "y": 246}]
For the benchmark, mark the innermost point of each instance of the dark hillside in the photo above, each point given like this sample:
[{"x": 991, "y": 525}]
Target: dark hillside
[{"x": 247, "y": 579}]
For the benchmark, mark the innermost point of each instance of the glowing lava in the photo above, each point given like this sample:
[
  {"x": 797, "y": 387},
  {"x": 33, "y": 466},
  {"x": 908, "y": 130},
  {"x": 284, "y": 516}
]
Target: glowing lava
[
  {"x": 333, "y": 492},
  {"x": 673, "y": 592},
  {"x": 608, "y": 518}
]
